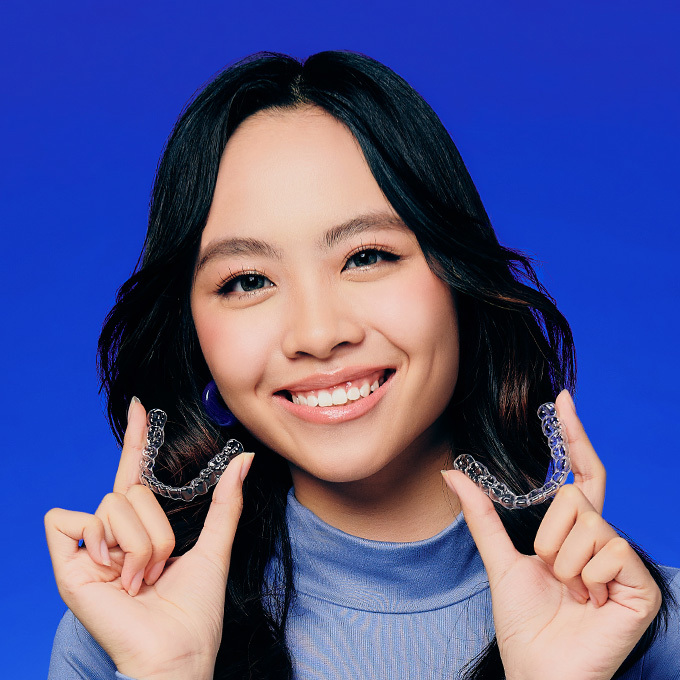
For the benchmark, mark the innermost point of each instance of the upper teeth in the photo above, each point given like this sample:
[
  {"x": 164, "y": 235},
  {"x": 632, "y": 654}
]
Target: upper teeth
[{"x": 338, "y": 395}]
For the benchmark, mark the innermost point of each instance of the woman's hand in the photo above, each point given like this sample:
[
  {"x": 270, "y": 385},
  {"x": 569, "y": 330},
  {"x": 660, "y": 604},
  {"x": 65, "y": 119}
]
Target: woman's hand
[
  {"x": 157, "y": 618},
  {"x": 577, "y": 608}
]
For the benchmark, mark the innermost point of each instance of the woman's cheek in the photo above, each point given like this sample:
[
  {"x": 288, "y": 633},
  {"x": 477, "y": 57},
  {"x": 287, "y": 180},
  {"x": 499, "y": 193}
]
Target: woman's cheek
[
  {"x": 236, "y": 347},
  {"x": 415, "y": 309}
]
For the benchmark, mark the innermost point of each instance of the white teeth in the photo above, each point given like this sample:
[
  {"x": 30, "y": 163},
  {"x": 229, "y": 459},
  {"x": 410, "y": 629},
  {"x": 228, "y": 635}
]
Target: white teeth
[
  {"x": 351, "y": 391},
  {"x": 339, "y": 397},
  {"x": 325, "y": 398}
]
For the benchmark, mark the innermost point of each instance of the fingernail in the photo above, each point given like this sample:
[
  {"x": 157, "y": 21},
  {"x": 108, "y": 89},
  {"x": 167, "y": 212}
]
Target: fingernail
[
  {"x": 245, "y": 465},
  {"x": 580, "y": 597},
  {"x": 596, "y": 602},
  {"x": 104, "y": 553},
  {"x": 571, "y": 401},
  {"x": 136, "y": 583},
  {"x": 133, "y": 401},
  {"x": 154, "y": 573}
]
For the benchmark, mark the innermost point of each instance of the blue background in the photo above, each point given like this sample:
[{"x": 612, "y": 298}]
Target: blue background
[{"x": 566, "y": 114}]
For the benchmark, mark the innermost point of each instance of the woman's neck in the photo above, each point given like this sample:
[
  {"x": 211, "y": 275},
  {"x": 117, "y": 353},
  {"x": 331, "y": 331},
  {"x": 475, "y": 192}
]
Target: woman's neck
[{"x": 404, "y": 502}]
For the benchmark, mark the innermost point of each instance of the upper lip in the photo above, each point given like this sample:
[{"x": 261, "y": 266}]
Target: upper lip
[{"x": 322, "y": 381}]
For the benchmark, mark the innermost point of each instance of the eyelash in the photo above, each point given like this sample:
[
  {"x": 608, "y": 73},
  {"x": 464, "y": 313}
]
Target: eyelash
[
  {"x": 226, "y": 286},
  {"x": 383, "y": 253}
]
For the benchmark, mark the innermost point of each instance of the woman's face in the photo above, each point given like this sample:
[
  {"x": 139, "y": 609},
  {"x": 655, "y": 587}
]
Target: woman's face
[{"x": 326, "y": 332}]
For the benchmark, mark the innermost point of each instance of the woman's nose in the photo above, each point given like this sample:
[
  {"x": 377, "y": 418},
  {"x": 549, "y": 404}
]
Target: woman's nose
[{"x": 318, "y": 322}]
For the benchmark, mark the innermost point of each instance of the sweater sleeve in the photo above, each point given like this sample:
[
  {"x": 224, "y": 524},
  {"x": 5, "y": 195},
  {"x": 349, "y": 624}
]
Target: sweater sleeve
[
  {"x": 662, "y": 660},
  {"x": 76, "y": 655}
]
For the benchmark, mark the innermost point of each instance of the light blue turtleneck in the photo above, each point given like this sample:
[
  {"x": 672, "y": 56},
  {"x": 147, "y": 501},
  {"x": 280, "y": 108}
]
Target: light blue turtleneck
[{"x": 370, "y": 609}]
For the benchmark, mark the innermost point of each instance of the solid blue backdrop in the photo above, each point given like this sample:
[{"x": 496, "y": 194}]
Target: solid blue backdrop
[{"x": 567, "y": 117}]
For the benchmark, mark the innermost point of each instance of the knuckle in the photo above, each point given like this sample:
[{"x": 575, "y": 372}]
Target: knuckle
[
  {"x": 619, "y": 547},
  {"x": 590, "y": 520},
  {"x": 142, "y": 550},
  {"x": 487, "y": 513},
  {"x": 544, "y": 549},
  {"x": 233, "y": 503},
  {"x": 112, "y": 499},
  {"x": 656, "y": 600},
  {"x": 569, "y": 494},
  {"x": 93, "y": 523},
  {"x": 51, "y": 517},
  {"x": 588, "y": 575},
  {"x": 165, "y": 545},
  {"x": 139, "y": 491},
  {"x": 563, "y": 572}
]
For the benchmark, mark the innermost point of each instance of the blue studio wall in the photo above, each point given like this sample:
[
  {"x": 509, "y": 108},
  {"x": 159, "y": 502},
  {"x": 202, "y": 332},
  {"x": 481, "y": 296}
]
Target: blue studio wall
[{"x": 566, "y": 114}]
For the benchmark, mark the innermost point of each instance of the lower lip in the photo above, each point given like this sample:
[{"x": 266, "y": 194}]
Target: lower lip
[{"x": 336, "y": 414}]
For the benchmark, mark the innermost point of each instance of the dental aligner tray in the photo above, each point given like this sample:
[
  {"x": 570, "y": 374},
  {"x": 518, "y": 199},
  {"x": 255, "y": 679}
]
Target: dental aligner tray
[
  {"x": 560, "y": 467},
  {"x": 207, "y": 477}
]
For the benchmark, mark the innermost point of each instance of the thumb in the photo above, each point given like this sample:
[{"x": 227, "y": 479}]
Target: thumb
[
  {"x": 219, "y": 528},
  {"x": 589, "y": 473},
  {"x": 495, "y": 547}
]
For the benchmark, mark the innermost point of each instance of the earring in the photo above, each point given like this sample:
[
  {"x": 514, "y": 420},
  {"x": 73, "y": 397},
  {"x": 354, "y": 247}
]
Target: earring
[
  {"x": 214, "y": 406},
  {"x": 207, "y": 477}
]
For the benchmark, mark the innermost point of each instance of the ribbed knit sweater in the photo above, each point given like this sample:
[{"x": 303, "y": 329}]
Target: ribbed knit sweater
[{"x": 371, "y": 609}]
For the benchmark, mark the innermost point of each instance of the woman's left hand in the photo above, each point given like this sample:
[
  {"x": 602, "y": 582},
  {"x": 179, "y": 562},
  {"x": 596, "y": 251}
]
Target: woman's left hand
[{"x": 576, "y": 609}]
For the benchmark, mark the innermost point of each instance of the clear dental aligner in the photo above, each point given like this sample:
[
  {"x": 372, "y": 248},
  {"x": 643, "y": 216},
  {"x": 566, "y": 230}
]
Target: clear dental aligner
[
  {"x": 207, "y": 477},
  {"x": 557, "y": 473}
]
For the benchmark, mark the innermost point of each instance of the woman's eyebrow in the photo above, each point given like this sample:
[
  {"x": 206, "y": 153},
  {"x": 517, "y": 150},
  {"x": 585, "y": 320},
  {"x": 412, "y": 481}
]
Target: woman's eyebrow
[
  {"x": 360, "y": 224},
  {"x": 237, "y": 246},
  {"x": 340, "y": 232}
]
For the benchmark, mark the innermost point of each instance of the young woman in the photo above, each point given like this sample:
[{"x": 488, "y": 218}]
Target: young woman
[{"x": 317, "y": 248}]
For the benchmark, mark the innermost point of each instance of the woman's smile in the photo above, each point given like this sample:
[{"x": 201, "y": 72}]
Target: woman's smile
[
  {"x": 334, "y": 398},
  {"x": 327, "y": 333},
  {"x": 328, "y": 248}
]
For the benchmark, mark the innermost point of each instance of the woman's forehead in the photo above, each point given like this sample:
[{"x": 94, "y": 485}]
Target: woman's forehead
[
  {"x": 272, "y": 127},
  {"x": 288, "y": 168}
]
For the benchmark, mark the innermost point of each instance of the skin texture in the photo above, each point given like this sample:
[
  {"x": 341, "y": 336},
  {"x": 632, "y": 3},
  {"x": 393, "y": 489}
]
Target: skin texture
[
  {"x": 287, "y": 179},
  {"x": 294, "y": 303},
  {"x": 577, "y": 607},
  {"x": 167, "y": 627}
]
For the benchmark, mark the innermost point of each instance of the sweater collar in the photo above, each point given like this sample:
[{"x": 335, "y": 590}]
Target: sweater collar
[{"x": 382, "y": 576}]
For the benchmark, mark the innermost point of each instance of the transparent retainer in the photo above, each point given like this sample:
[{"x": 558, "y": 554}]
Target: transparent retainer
[
  {"x": 206, "y": 479},
  {"x": 559, "y": 468}
]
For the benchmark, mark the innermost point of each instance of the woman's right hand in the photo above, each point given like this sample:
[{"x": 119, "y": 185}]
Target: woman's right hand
[{"x": 157, "y": 618}]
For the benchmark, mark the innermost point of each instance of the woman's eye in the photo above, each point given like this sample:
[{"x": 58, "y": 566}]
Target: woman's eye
[
  {"x": 365, "y": 258},
  {"x": 246, "y": 283}
]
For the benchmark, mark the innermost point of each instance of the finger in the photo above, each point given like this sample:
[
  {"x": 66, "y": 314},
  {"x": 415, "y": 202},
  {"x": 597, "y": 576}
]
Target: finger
[
  {"x": 157, "y": 527},
  {"x": 589, "y": 473},
  {"x": 495, "y": 547},
  {"x": 217, "y": 535},
  {"x": 123, "y": 527},
  {"x": 589, "y": 535},
  {"x": 133, "y": 444},
  {"x": 618, "y": 564},
  {"x": 65, "y": 529},
  {"x": 558, "y": 521}
]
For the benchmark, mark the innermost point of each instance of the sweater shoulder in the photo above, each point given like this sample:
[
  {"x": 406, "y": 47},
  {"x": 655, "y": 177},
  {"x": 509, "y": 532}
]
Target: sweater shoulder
[
  {"x": 76, "y": 655},
  {"x": 662, "y": 661}
]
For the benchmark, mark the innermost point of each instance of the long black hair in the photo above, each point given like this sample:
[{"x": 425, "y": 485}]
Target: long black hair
[{"x": 516, "y": 348}]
